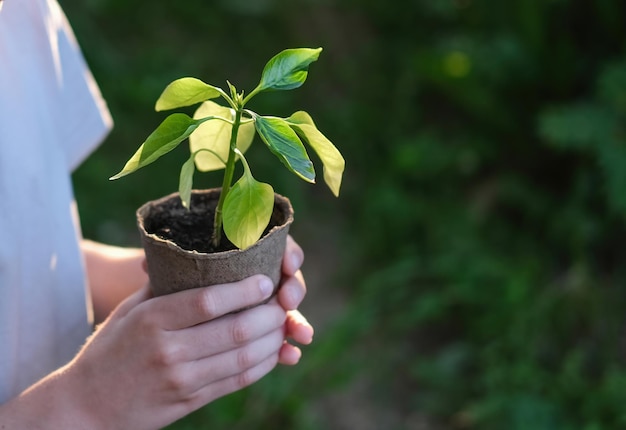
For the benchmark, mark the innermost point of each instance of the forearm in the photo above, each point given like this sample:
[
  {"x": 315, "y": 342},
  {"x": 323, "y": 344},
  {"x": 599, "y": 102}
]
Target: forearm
[
  {"x": 48, "y": 405},
  {"x": 114, "y": 273}
]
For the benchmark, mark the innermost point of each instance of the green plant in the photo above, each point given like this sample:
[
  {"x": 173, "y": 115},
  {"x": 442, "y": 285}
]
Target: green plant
[{"x": 219, "y": 135}]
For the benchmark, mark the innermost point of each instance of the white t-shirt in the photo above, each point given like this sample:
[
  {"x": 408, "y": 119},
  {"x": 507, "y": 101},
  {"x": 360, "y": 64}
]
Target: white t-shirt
[{"x": 51, "y": 117}]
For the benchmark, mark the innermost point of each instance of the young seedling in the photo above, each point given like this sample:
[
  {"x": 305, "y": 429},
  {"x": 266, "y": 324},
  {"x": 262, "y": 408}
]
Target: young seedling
[{"x": 219, "y": 136}]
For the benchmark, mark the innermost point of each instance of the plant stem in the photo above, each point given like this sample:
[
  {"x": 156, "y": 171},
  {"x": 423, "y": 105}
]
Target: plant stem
[{"x": 228, "y": 177}]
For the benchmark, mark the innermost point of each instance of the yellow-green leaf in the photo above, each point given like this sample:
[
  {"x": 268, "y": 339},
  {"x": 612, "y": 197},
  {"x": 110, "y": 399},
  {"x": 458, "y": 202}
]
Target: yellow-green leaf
[
  {"x": 214, "y": 135},
  {"x": 185, "y": 92},
  {"x": 247, "y": 211},
  {"x": 185, "y": 184},
  {"x": 333, "y": 161},
  {"x": 173, "y": 130}
]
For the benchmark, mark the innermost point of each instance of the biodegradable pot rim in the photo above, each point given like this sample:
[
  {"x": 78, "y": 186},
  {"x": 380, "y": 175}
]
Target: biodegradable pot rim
[
  {"x": 142, "y": 212},
  {"x": 172, "y": 268}
]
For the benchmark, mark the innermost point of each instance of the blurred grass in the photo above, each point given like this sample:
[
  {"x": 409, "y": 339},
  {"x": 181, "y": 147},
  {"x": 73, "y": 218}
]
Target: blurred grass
[{"x": 481, "y": 225}]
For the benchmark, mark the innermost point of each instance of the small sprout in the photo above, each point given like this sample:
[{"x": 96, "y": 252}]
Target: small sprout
[{"x": 220, "y": 135}]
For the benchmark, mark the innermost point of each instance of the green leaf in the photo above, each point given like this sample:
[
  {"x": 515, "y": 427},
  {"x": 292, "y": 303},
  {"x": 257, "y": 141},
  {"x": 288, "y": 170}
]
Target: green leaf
[
  {"x": 611, "y": 86},
  {"x": 173, "y": 130},
  {"x": 185, "y": 92},
  {"x": 233, "y": 90},
  {"x": 286, "y": 145},
  {"x": 186, "y": 181},
  {"x": 577, "y": 126},
  {"x": 333, "y": 161},
  {"x": 288, "y": 69},
  {"x": 214, "y": 135},
  {"x": 247, "y": 210}
]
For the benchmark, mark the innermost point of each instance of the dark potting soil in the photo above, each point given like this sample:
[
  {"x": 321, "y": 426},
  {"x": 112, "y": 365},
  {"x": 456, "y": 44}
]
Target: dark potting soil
[{"x": 192, "y": 228}]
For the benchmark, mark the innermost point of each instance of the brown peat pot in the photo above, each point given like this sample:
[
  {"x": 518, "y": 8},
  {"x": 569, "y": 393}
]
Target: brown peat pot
[{"x": 177, "y": 243}]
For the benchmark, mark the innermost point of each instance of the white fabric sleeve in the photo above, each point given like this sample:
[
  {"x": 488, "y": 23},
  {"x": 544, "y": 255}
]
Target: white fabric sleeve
[{"x": 51, "y": 117}]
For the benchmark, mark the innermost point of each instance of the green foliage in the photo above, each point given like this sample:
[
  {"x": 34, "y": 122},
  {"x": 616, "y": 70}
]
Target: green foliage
[
  {"x": 503, "y": 206},
  {"x": 245, "y": 214},
  {"x": 186, "y": 92},
  {"x": 249, "y": 203},
  {"x": 214, "y": 136},
  {"x": 597, "y": 128},
  {"x": 286, "y": 145},
  {"x": 332, "y": 160},
  {"x": 288, "y": 70},
  {"x": 185, "y": 182},
  {"x": 168, "y": 135}
]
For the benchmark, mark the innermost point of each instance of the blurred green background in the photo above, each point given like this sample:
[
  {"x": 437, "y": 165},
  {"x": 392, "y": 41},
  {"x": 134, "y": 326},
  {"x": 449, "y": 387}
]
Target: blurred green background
[{"x": 471, "y": 274}]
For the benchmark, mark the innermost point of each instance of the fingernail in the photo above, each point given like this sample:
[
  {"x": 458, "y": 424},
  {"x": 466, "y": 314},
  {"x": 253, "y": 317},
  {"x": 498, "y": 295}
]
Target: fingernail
[{"x": 266, "y": 286}]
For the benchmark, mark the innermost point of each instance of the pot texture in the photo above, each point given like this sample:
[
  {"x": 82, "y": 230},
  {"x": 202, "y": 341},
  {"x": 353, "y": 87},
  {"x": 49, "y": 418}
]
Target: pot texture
[{"x": 172, "y": 268}]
